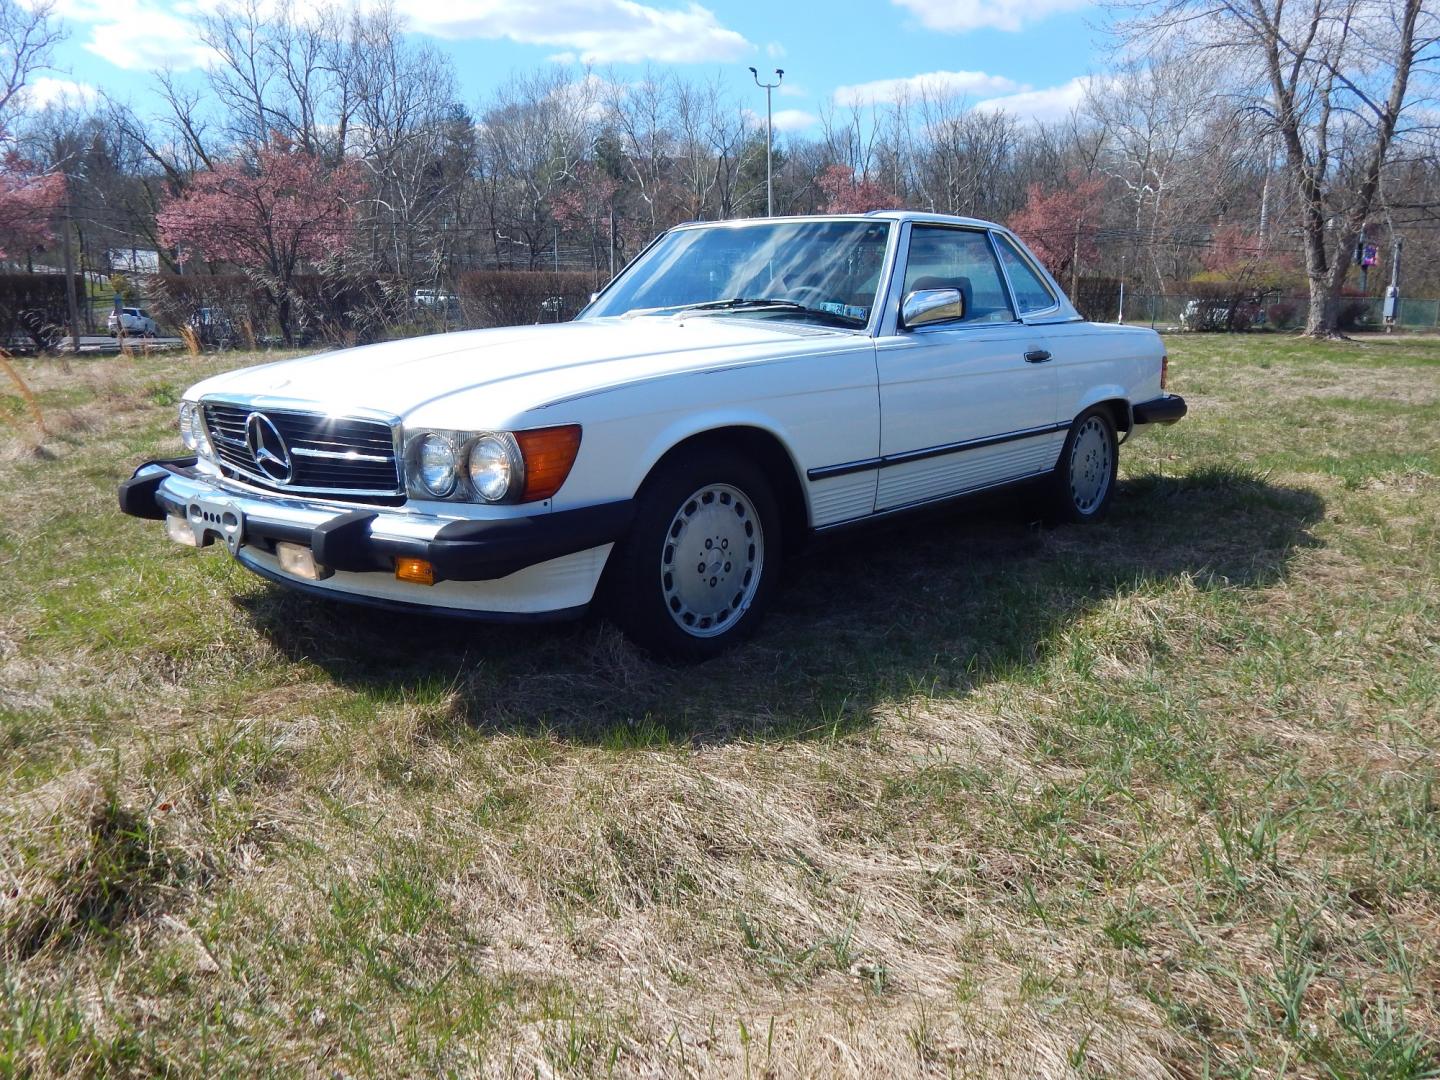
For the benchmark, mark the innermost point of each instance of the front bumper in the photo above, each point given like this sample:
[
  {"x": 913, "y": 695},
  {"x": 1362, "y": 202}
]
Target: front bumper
[{"x": 356, "y": 548}]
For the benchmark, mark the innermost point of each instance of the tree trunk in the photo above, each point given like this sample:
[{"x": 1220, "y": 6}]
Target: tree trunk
[{"x": 1323, "y": 321}]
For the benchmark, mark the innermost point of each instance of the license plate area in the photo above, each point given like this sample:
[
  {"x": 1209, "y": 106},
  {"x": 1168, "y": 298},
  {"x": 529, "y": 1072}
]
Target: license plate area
[{"x": 211, "y": 519}]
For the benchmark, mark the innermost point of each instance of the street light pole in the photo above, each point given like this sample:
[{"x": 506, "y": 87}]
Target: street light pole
[{"x": 769, "y": 137}]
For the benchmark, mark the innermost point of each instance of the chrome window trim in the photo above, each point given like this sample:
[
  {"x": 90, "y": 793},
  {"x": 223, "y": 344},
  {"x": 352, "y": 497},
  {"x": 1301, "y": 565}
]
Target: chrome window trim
[
  {"x": 898, "y": 278},
  {"x": 1044, "y": 278},
  {"x": 872, "y": 327}
]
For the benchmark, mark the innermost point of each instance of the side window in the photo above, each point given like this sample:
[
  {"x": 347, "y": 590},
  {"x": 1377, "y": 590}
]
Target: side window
[
  {"x": 1031, "y": 293},
  {"x": 943, "y": 258}
]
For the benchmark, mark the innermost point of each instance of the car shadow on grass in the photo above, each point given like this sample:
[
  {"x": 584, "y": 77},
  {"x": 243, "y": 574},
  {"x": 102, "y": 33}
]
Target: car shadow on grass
[{"x": 938, "y": 604}]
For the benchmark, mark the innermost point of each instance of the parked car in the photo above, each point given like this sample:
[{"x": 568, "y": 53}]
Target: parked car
[
  {"x": 739, "y": 387},
  {"x": 135, "y": 321},
  {"x": 1222, "y": 314},
  {"x": 212, "y": 327},
  {"x": 437, "y": 301}
]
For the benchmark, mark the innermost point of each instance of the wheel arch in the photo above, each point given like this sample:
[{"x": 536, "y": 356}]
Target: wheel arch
[
  {"x": 1114, "y": 401},
  {"x": 766, "y": 449}
]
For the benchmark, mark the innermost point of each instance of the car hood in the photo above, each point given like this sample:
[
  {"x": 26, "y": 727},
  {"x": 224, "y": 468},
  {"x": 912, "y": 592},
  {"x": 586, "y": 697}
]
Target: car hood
[{"x": 518, "y": 368}]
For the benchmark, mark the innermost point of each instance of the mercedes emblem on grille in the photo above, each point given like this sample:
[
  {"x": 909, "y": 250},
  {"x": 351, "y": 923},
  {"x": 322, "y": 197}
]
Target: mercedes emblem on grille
[{"x": 267, "y": 447}]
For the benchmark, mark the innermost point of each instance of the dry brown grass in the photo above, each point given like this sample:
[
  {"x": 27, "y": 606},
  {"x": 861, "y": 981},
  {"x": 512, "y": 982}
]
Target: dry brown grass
[{"x": 1154, "y": 799}]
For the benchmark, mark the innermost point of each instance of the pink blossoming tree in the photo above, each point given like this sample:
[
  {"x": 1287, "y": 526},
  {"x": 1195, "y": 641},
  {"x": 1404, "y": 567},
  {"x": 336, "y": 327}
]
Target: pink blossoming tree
[
  {"x": 29, "y": 199},
  {"x": 1060, "y": 227},
  {"x": 269, "y": 218},
  {"x": 845, "y": 193}
]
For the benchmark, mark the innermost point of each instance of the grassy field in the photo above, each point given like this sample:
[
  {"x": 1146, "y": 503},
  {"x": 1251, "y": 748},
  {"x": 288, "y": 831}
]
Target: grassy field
[{"x": 1157, "y": 798}]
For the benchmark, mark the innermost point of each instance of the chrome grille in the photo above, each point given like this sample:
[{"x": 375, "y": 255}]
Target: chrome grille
[{"x": 344, "y": 456}]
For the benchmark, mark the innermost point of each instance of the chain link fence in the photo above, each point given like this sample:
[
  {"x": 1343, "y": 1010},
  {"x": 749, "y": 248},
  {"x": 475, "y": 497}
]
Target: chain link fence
[{"x": 1181, "y": 312}]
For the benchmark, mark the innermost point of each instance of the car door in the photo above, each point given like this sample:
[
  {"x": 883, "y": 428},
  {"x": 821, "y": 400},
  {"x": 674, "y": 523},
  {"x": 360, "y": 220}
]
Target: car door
[{"x": 966, "y": 404}]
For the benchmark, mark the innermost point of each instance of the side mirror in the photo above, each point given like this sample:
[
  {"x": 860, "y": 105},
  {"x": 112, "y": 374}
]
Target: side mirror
[{"x": 925, "y": 307}]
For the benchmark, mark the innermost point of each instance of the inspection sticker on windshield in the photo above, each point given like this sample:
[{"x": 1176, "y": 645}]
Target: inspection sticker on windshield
[{"x": 848, "y": 310}]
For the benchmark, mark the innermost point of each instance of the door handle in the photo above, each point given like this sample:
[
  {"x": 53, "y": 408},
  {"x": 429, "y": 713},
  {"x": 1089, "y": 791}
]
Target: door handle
[{"x": 1036, "y": 356}]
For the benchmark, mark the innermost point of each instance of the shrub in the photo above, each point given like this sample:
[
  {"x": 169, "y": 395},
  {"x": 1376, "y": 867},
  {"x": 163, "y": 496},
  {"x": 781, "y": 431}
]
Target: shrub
[
  {"x": 1223, "y": 305},
  {"x": 1355, "y": 309},
  {"x": 335, "y": 308},
  {"x": 1097, "y": 298},
  {"x": 33, "y": 306},
  {"x": 520, "y": 298},
  {"x": 1283, "y": 314}
]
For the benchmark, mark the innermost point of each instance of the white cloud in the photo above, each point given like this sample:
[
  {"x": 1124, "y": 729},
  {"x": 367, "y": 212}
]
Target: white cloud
[
  {"x": 784, "y": 119},
  {"x": 933, "y": 83},
  {"x": 50, "y": 91},
  {"x": 597, "y": 31},
  {"x": 138, "y": 35},
  {"x": 1050, "y": 104},
  {"x": 957, "y": 16},
  {"x": 775, "y": 50},
  {"x": 149, "y": 40},
  {"x": 794, "y": 119}
]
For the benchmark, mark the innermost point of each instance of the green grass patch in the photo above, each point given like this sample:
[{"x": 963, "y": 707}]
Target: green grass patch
[{"x": 1158, "y": 796}]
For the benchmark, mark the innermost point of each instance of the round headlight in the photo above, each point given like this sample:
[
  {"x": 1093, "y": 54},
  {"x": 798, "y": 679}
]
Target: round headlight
[
  {"x": 492, "y": 467},
  {"x": 437, "y": 465},
  {"x": 187, "y": 425}
]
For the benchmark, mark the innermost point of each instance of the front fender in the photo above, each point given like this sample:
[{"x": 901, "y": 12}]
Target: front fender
[{"x": 680, "y": 428}]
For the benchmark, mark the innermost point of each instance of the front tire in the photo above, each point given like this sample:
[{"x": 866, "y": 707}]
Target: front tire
[
  {"x": 699, "y": 567},
  {"x": 1083, "y": 484}
]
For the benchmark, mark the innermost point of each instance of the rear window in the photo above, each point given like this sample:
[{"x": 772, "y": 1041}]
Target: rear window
[{"x": 1031, "y": 293}]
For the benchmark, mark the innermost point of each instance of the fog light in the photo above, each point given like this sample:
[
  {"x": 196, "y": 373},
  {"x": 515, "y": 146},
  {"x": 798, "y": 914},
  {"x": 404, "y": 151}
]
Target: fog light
[
  {"x": 179, "y": 530},
  {"x": 300, "y": 560},
  {"x": 418, "y": 571}
]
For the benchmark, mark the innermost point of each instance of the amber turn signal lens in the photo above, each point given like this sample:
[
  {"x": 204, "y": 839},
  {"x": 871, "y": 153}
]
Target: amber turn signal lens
[
  {"x": 549, "y": 453},
  {"x": 418, "y": 571}
]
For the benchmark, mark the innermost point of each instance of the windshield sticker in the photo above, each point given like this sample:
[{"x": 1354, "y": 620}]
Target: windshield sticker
[{"x": 849, "y": 311}]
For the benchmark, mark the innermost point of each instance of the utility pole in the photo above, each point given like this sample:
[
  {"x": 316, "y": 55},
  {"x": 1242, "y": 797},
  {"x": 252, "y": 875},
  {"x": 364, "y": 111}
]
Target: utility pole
[
  {"x": 1120, "y": 317},
  {"x": 769, "y": 137},
  {"x": 70, "y": 303},
  {"x": 1392, "y": 292}
]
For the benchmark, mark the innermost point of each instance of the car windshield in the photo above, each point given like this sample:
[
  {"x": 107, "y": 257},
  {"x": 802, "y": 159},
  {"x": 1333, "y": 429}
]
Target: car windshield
[{"x": 819, "y": 271}]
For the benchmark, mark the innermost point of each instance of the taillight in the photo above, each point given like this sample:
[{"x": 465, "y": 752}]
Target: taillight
[{"x": 1164, "y": 371}]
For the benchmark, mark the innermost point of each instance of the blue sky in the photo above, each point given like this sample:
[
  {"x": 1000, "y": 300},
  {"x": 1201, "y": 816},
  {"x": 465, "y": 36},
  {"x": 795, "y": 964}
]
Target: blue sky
[{"x": 1025, "y": 55}]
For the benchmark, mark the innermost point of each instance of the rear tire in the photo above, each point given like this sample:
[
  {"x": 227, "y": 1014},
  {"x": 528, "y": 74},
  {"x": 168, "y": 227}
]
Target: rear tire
[
  {"x": 1083, "y": 484},
  {"x": 700, "y": 565}
]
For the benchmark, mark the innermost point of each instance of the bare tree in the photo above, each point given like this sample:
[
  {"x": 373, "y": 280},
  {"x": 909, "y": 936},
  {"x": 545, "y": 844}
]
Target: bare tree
[
  {"x": 28, "y": 36},
  {"x": 1333, "y": 81}
]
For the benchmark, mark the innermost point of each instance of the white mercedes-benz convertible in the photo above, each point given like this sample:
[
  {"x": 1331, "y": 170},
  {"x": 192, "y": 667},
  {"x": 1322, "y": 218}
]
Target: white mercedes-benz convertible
[{"x": 740, "y": 386}]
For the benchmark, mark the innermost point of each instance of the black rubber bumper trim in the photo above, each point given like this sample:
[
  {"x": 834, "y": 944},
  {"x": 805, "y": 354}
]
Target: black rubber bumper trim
[
  {"x": 1161, "y": 410},
  {"x": 484, "y": 550},
  {"x": 461, "y": 550},
  {"x": 137, "y": 495},
  {"x": 343, "y": 542}
]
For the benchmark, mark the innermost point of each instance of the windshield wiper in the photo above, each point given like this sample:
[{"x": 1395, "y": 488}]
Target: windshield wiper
[
  {"x": 725, "y": 305},
  {"x": 773, "y": 303}
]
